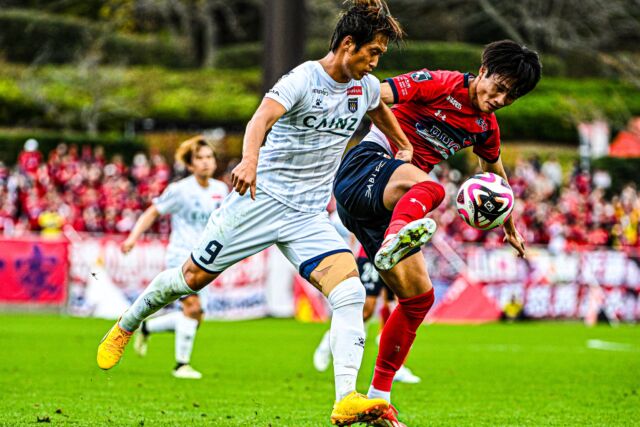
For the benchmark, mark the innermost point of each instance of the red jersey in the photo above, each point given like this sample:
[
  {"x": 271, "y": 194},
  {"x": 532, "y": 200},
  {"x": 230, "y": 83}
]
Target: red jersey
[{"x": 434, "y": 111}]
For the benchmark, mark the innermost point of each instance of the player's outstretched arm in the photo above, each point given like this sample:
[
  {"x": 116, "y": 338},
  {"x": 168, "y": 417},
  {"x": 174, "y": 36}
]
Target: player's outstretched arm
[
  {"x": 142, "y": 224},
  {"x": 243, "y": 176},
  {"x": 384, "y": 120},
  {"x": 511, "y": 234}
]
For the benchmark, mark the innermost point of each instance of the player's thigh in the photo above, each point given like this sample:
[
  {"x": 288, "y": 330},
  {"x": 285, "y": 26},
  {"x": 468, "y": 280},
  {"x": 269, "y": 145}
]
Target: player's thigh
[
  {"x": 409, "y": 277},
  {"x": 401, "y": 180},
  {"x": 240, "y": 228},
  {"x": 361, "y": 180},
  {"x": 314, "y": 247}
]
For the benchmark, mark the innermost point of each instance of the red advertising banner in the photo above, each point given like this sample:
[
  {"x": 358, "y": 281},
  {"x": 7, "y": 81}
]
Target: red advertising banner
[{"x": 33, "y": 271}]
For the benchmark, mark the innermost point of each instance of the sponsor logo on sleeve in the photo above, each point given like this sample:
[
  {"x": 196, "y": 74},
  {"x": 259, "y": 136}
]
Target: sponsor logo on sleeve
[{"x": 421, "y": 76}]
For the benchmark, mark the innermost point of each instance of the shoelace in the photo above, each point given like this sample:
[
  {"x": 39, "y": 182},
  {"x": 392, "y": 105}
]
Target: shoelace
[{"x": 118, "y": 342}]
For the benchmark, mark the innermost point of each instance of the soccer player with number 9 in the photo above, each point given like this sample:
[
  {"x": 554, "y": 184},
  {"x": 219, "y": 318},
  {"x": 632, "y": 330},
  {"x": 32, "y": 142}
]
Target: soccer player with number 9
[{"x": 282, "y": 191}]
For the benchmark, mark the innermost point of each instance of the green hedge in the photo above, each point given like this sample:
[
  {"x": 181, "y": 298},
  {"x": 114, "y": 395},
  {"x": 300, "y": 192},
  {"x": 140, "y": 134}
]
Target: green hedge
[
  {"x": 229, "y": 98},
  {"x": 12, "y": 142},
  {"x": 171, "y": 98},
  {"x": 410, "y": 56},
  {"x": 27, "y": 36}
]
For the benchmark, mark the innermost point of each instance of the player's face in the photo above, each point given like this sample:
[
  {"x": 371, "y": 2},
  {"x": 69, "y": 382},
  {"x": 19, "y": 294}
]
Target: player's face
[
  {"x": 203, "y": 164},
  {"x": 492, "y": 93},
  {"x": 359, "y": 63}
]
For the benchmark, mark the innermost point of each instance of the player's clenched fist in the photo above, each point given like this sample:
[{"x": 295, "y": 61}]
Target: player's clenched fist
[
  {"x": 243, "y": 177},
  {"x": 405, "y": 155}
]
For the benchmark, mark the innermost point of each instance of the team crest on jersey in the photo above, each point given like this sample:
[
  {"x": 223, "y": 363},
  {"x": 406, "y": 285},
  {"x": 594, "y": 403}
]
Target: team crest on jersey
[
  {"x": 483, "y": 125},
  {"x": 420, "y": 76},
  {"x": 353, "y": 104}
]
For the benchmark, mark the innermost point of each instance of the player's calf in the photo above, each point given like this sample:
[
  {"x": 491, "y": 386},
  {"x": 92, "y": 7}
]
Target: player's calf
[{"x": 396, "y": 341}]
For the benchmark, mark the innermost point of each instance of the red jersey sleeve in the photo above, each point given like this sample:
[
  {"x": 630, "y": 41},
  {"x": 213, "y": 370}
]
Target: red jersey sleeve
[
  {"x": 487, "y": 145},
  {"x": 417, "y": 86}
]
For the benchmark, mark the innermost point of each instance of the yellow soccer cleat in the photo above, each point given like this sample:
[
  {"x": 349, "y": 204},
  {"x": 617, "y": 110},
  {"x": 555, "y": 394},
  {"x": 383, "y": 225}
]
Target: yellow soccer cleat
[
  {"x": 112, "y": 346},
  {"x": 357, "y": 408}
]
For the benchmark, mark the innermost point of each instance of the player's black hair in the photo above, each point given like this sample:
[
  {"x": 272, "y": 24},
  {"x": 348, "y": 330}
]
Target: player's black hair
[
  {"x": 363, "y": 20},
  {"x": 514, "y": 63}
]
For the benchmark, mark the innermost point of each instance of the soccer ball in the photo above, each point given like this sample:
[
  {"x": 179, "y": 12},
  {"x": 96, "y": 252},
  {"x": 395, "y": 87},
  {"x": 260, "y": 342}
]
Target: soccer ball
[{"x": 485, "y": 201}]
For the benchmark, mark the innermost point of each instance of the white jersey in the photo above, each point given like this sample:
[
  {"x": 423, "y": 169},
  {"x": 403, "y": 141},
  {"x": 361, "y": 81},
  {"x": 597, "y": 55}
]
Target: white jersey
[
  {"x": 190, "y": 206},
  {"x": 299, "y": 160}
]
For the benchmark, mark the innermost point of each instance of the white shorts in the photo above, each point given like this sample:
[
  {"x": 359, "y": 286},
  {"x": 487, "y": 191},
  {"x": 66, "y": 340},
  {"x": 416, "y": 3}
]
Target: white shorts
[{"x": 242, "y": 227}]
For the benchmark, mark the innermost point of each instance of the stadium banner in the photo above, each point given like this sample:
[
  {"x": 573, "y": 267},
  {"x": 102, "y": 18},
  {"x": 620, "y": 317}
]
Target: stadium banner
[
  {"x": 549, "y": 285},
  {"x": 33, "y": 271},
  {"x": 104, "y": 281}
]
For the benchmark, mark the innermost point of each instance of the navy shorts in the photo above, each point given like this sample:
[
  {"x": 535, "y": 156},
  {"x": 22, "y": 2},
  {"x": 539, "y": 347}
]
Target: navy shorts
[
  {"x": 373, "y": 283},
  {"x": 359, "y": 187}
]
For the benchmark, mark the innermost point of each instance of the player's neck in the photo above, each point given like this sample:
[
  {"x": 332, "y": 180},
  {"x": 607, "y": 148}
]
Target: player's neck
[
  {"x": 331, "y": 64},
  {"x": 203, "y": 181},
  {"x": 473, "y": 83}
]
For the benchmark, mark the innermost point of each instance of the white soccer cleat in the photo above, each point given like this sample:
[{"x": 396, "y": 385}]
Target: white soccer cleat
[
  {"x": 186, "y": 372},
  {"x": 140, "y": 344},
  {"x": 396, "y": 246},
  {"x": 322, "y": 358},
  {"x": 404, "y": 375}
]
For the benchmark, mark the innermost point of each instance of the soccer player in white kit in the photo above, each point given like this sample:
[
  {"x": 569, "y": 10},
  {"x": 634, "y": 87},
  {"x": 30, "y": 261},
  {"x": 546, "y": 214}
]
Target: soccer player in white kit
[
  {"x": 190, "y": 202},
  {"x": 312, "y": 112}
]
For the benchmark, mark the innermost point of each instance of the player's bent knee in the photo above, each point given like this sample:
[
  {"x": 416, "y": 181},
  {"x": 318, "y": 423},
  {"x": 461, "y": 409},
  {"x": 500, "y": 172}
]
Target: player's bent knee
[
  {"x": 333, "y": 270},
  {"x": 195, "y": 277},
  {"x": 348, "y": 292}
]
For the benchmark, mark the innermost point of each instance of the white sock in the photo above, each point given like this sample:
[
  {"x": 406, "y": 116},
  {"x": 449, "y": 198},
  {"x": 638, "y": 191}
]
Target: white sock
[
  {"x": 374, "y": 393},
  {"x": 347, "y": 334},
  {"x": 166, "y": 322},
  {"x": 186, "y": 328},
  {"x": 325, "y": 344},
  {"x": 167, "y": 287}
]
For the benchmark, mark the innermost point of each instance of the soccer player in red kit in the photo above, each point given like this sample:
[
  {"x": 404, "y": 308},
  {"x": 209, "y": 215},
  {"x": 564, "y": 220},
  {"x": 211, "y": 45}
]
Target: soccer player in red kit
[{"x": 384, "y": 201}]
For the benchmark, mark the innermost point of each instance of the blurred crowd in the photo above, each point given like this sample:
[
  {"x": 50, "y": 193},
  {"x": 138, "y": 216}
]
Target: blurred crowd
[
  {"x": 83, "y": 189},
  {"x": 561, "y": 210}
]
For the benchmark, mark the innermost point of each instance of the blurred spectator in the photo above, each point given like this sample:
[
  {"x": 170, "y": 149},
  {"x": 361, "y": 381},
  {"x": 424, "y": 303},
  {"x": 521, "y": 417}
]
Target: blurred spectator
[
  {"x": 51, "y": 219},
  {"x": 513, "y": 310},
  {"x": 29, "y": 158},
  {"x": 553, "y": 171}
]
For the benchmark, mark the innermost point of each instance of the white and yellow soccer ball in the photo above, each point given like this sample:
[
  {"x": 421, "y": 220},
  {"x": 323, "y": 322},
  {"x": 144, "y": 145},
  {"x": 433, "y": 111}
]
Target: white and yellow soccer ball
[{"x": 485, "y": 201}]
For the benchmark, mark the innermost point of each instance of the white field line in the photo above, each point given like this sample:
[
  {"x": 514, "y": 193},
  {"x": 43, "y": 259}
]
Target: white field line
[{"x": 609, "y": 346}]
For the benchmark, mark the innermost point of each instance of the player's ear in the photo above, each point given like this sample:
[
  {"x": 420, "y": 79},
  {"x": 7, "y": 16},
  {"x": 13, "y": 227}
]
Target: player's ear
[
  {"x": 347, "y": 43},
  {"x": 482, "y": 72}
]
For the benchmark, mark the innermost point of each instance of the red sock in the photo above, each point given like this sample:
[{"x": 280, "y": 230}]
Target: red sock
[
  {"x": 421, "y": 199},
  {"x": 384, "y": 315},
  {"x": 398, "y": 336}
]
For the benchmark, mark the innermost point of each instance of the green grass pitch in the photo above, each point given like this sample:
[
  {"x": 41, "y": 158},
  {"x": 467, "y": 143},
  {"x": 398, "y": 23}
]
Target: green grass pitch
[{"x": 259, "y": 373}]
